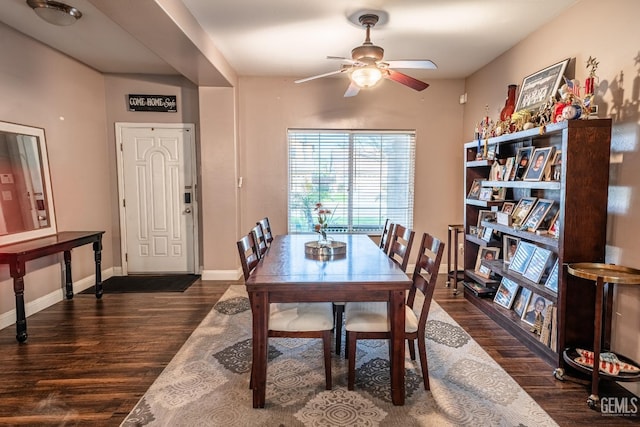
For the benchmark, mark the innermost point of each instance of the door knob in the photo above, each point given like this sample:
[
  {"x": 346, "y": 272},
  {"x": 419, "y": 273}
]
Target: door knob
[{"x": 187, "y": 210}]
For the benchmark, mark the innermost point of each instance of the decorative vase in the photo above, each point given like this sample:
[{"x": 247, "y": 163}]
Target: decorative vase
[{"x": 509, "y": 105}]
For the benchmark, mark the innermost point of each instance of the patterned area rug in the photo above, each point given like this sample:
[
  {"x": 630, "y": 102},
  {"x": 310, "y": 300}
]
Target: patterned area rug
[{"x": 207, "y": 382}]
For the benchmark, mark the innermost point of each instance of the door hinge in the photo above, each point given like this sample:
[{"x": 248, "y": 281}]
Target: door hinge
[
  {"x": 124, "y": 205},
  {"x": 126, "y": 257}
]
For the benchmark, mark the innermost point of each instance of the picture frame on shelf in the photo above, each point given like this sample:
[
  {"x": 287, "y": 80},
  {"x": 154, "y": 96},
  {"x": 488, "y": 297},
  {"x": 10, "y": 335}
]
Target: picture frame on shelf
[
  {"x": 521, "y": 258},
  {"x": 474, "y": 191},
  {"x": 554, "y": 226},
  {"x": 549, "y": 218},
  {"x": 522, "y": 209},
  {"x": 497, "y": 171},
  {"x": 537, "y": 165},
  {"x": 537, "y": 214},
  {"x": 506, "y": 293},
  {"x": 536, "y": 307},
  {"x": 537, "y": 264},
  {"x": 499, "y": 193},
  {"x": 507, "y": 207},
  {"x": 487, "y": 233},
  {"x": 509, "y": 247},
  {"x": 522, "y": 300},
  {"x": 486, "y": 193},
  {"x": 523, "y": 155},
  {"x": 509, "y": 169},
  {"x": 485, "y": 215},
  {"x": 486, "y": 254},
  {"x": 552, "y": 278},
  {"x": 537, "y": 88},
  {"x": 555, "y": 166}
]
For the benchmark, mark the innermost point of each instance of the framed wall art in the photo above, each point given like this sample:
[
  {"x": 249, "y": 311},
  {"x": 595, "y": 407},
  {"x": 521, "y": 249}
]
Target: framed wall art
[{"x": 537, "y": 88}]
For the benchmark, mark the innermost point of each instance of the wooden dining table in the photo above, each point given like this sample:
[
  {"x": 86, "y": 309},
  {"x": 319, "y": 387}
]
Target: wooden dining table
[{"x": 364, "y": 273}]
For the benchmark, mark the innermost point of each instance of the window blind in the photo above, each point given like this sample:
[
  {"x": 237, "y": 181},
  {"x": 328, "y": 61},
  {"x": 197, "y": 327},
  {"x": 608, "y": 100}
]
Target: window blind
[{"x": 363, "y": 177}]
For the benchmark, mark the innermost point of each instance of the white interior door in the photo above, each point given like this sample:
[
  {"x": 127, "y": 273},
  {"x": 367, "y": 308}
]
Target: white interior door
[{"x": 157, "y": 190}]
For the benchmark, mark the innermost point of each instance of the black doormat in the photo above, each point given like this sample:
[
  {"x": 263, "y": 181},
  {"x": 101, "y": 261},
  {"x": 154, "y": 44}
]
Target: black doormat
[{"x": 144, "y": 284}]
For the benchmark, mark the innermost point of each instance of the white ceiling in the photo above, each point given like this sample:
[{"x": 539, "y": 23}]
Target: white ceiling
[{"x": 289, "y": 38}]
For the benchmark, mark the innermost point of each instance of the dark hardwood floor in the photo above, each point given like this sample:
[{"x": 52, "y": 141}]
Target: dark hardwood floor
[{"x": 87, "y": 362}]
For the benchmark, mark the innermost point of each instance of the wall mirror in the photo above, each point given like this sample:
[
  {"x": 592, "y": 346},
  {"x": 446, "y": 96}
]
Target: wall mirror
[{"x": 26, "y": 200}]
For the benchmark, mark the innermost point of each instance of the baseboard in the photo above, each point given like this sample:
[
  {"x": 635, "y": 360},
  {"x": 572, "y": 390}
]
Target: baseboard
[
  {"x": 45, "y": 301},
  {"x": 224, "y": 275}
]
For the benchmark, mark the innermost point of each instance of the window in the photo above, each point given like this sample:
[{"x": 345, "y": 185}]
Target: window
[{"x": 363, "y": 177}]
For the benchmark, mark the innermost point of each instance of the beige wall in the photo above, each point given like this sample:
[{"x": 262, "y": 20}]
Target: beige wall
[
  {"x": 43, "y": 88},
  {"x": 607, "y": 31},
  {"x": 117, "y": 87},
  {"x": 269, "y": 106}
]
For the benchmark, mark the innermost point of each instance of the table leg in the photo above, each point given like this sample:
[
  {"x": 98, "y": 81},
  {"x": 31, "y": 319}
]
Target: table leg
[
  {"x": 97, "y": 251},
  {"x": 397, "y": 315},
  {"x": 260, "y": 312},
  {"x": 17, "y": 272},
  {"x": 455, "y": 262},
  {"x": 68, "y": 283},
  {"x": 597, "y": 341}
]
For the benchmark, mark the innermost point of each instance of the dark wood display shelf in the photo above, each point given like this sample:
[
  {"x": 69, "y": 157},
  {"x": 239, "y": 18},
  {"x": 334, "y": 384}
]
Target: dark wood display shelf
[
  {"x": 581, "y": 196},
  {"x": 478, "y": 241}
]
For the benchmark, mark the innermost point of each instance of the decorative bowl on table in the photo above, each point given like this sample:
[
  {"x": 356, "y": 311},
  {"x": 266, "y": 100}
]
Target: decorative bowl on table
[{"x": 329, "y": 249}]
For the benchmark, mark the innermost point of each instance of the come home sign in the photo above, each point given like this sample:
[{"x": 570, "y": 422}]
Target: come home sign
[{"x": 157, "y": 103}]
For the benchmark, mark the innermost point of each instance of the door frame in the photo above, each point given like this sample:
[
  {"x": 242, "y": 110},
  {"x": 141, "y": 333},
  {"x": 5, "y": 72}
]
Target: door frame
[{"x": 191, "y": 151}]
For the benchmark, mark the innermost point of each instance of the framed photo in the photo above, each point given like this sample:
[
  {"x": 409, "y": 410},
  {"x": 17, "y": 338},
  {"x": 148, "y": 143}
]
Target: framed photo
[
  {"x": 538, "y": 212},
  {"x": 537, "y": 264},
  {"x": 474, "y": 192},
  {"x": 535, "y": 309},
  {"x": 486, "y": 254},
  {"x": 522, "y": 209},
  {"x": 484, "y": 215},
  {"x": 487, "y": 233},
  {"x": 538, "y": 164},
  {"x": 485, "y": 193},
  {"x": 499, "y": 193},
  {"x": 537, "y": 88},
  {"x": 507, "y": 207},
  {"x": 509, "y": 247},
  {"x": 497, "y": 171},
  {"x": 521, "y": 258},
  {"x": 522, "y": 301},
  {"x": 509, "y": 169},
  {"x": 555, "y": 171},
  {"x": 522, "y": 161},
  {"x": 506, "y": 293},
  {"x": 552, "y": 279}
]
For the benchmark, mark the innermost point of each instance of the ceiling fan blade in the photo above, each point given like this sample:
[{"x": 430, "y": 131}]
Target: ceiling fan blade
[
  {"x": 352, "y": 90},
  {"x": 330, "y": 73},
  {"x": 406, "y": 80},
  {"x": 424, "y": 64},
  {"x": 342, "y": 58}
]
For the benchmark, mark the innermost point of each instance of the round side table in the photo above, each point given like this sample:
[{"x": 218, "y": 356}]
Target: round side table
[{"x": 601, "y": 274}]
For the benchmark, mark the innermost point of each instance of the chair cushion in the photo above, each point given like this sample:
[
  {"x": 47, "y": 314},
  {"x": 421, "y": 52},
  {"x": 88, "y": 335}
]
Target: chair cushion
[
  {"x": 372, "y": 317},
  {"x": 299, "y": 317}
]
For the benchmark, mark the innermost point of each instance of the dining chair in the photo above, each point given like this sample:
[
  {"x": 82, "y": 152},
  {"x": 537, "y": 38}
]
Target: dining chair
[
  {"x": 369, "y": 320},
  {"x": 266, "y": 229},
  {"x": 338, "y": 307},
  {"x": 385, "y": 237},
  {"x": 261, "y": 241},
  {"x": 291, "y": 320},
  {"x": 400, "y": 245}
]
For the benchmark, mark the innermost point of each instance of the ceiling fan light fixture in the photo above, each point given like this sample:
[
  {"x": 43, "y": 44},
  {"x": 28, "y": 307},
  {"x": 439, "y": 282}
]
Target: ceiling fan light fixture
[
  {"x": 366, "y": 77},
  {"x": 54, "y": 12}
]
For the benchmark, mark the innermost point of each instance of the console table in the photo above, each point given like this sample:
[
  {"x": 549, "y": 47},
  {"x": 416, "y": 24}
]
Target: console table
[{"x": 17, "y": 254}]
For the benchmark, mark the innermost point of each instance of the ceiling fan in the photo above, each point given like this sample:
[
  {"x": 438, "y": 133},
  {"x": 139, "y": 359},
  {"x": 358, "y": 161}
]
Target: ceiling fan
[{"x": 366, "y": 67}]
